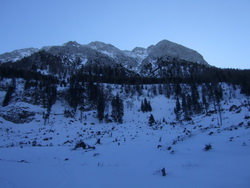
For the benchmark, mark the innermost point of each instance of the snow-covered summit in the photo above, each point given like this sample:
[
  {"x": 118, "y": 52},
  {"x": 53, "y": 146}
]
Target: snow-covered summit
[
  {"x": 72, "y": 44},
  {"x": 101, "y": 46},
  {"x": 104, "y": 48},
  {"x": 138, "y": 53}
]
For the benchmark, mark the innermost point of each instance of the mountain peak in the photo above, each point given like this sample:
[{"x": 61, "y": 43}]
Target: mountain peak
[
  {"x": 101, "y": 46},
  {"x": 167, "y": 48},
  {"x": 72, "y": 44},
  {"x": 138, "y": 49}
]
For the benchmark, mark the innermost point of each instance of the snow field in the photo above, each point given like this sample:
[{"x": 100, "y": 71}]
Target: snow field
[{"x": 130, "y": 154}]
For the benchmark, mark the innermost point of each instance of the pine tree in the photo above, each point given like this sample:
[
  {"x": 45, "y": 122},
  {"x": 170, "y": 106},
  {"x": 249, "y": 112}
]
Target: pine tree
[
  {"x": 100, "y": 105},
  {"x": 9, "y": 93},
  {"x": 106, "y": 118},
  {"x": 146, "y": 106},
  {"x": 92, "y": 91},
  {"x": 160, "y": 89},
  {"x": 75, "y": 93},
  {"x": 117, "y": 109},
  {"x": 139, "y": 89},
  {"x": 154, "y": 90},
  {"x": 142, "y": 107},
  {"x": 218, "y": 92},
  {"x": 151, "y": 120},
  {"x": 195, "y": 99},
  {"x": 183, "y": 102},
  {"x": 178, "y": 106},
  {"x": 204, "y": 98},
  {"x": 177, "y": 109},
  {"x": 49, "y": 98},
  {"x": 114, "y": 109},
  {"x": 52, "y": 95},
  {"x": 189, "y": 105},
  {"x": 120, "y": 111},
  {"x": 167, "y": 90},
  {"x": 178, "y": 90},
  {"x": 184, "y": 106},
  {"x": 149, "y": 108}
]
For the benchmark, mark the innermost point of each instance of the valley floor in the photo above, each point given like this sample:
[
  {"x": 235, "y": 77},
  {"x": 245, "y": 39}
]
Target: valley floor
[{"x": 131, "y": 154}]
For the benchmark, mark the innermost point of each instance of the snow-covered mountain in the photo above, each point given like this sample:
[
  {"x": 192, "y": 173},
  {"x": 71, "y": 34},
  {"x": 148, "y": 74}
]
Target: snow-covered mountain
[
  {"x": 166, "y": 49},
  {"x": 106, "y": 54},
  {"x": 119, "y": 56},
  {"x": 17, "y": 54},
  {"x": 73, "y": 51}
]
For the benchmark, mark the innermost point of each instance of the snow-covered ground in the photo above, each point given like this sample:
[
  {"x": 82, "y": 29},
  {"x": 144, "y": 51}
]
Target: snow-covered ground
[{"x": 132, "y": 154}]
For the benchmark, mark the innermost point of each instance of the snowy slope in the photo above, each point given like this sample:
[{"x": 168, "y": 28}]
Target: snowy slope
[
  {"x": 17, "y": 54},
  {"x": 119, "y": 56},
  {"x": 131, "y": 154}
]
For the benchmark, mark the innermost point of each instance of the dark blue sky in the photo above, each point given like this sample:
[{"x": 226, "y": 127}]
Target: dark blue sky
[{"x": 218, "y": 29}]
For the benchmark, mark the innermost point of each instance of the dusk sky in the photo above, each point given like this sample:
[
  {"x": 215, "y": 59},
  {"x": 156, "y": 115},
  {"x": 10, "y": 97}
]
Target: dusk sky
[{"x": 218, "y": 29}]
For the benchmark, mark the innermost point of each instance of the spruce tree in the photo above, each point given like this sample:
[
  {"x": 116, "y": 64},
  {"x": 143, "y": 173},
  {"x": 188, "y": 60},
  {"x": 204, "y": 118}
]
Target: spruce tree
[
  {"x": 154, "y": 90},
  {"x": 151, "y": 120},
  {"x": 100, "y": 105},
  {"x": 178, "y": 89},
  {"x": 149, "y": 108},
  {"x": 177, "y": 105},
  {"x": 189, "y": 105},
  {"x": 9, "y": 93},
  {"x": 139, "y": 89},
  {"x": 218, "y": 92},
  {"x": 120, "y": 111},
  {"x": 142, "y": 107},
  {"x": 146, "y": 106},
  {"x": 184, "y": 106},
  {"x": 177, "y": 109},
  {"x": 167, "y": 90},
  {"x": 117, "y": 109},
  {"x": 160, "y": 89},
  {"x": 204, "y": 98},
  {"x": 75, "y": 93},
  {"x": 195, "y": 98}
]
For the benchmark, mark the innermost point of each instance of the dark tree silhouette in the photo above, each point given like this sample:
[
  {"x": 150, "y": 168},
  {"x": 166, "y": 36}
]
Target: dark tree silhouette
[
  {"x": 151, "y": 120},
  {"x": 146, "y": 106},
  {"x": 9, "y": 93},
  {"x": 117, "y": 109},
  {"x": 100, "y": 105},
  {"x": 177, "y": 109}
]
